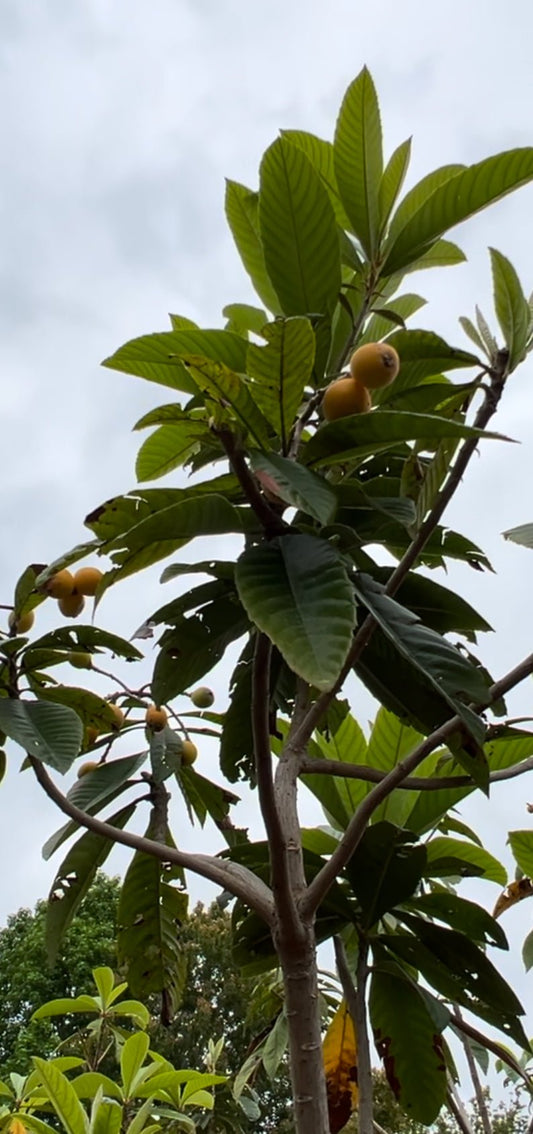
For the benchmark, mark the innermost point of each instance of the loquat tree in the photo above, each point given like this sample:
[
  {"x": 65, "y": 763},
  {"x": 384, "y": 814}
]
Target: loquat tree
[{"x": 334, "y": 431}]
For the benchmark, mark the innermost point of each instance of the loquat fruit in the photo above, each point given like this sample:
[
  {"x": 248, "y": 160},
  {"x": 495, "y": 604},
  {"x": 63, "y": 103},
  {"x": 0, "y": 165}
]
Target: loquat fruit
[
  {"x": 71, "y": 605},
  {"x": 80, "y": 660},
  {"x": 86, "y": 580},
  {"x": 60, "y": 585},
  {"x": 155, "y": 718},
  {"x": 202, "y": 698},
  {"x": 23, "y": 623},
  {"x": 91, "y": 736},
  {"x": 344, "y": 397},
  {"x": 189, "y": 752},
  {"x": 375, "y": 365},
  {"x": 88, "y": 766}
]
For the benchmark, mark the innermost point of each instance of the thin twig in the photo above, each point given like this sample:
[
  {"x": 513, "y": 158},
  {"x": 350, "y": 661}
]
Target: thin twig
[
  {"x": 354, "y": 832},
  {"x": 269, "y": 518},
  {"x": 355, "y": 997},
  {"x": 474, "y": 1075},
  {"x": 496, "y": 1048},
  {"x": 456, "y": 1108},
  {"x": 311, "y": 766},
  {"x": 230, "y": 875}
]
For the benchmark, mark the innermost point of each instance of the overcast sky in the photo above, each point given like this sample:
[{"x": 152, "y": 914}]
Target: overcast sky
[{"x": 120, "y": 123}]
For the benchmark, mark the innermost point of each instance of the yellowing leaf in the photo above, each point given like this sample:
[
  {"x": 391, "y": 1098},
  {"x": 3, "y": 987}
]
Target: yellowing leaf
[
  {"x": 340, "y": 1064},
  {"x": 17, "y": 1127},
  {"x": 513, "y": 893}
]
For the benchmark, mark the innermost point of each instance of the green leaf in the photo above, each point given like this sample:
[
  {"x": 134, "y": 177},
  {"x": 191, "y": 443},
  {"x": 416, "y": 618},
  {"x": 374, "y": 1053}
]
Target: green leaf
[
  {"x": 87, "y": 638},
  {"x": 196, "y": 643},
  {"x": 416, "y": 1070},
  {"x": 390, "y": 740},
  {"x": 280, "y": 371},
  {"x": 242, "y": 212},
  {"x": 89, "y": 707},
  {"x": 300, "y": 241},
  {"x": 521, "y": 843},
  {"x": 237, "y": 742},
  {"x": 322, "y": 158},
  {"x": 385, "y": 870},
  {"x": 449, "y": 857},
  {"x": 460, "y": 971},
  {"x": 243, "y": 318},
  {"x": 359, "y": 159},
  {"x": 441, "y": 254},
  {"x": 418, "y": 195},
  {"x": 105, "y": 982},
  {"x": 159, "y": 357},
  {"x": 51, "y": 733},
  {"x": 204, "y": 516},
  {"x": 473, "y": 334},
  {"x": 512, "y": 307},
  {"x": 275, "y": 1046},
  {"x": 523, "y": 535},
  {"x": 360, "y": 435},
  {"x": 467, "y": 917},
  {"x": 527, "y": 951},
  {"x": 392, "y": 180},
  {"x": 439, "y": 662},
  {"x": 438, "y": 607},
  {"x": 295, "y": 589},
  {"x": 149, "y": 915},
  {"x": 205, "y": 797},
  {"x": 218, "y": 384},
  {"x": 63, "y": 1098},
  {"x": 339, "y": 797},
  {"x": 73, "y": 879},
  {"x": 169, "y": 448},
  {"x": 132, "y": 1057},
  {"x": 462, "y": 195},
  {"x": 91, "y": 793},
  {"x": 66, "y": 1006},
  {"x": 397, "y": 311},
  {"x": 296, "y": 485}
]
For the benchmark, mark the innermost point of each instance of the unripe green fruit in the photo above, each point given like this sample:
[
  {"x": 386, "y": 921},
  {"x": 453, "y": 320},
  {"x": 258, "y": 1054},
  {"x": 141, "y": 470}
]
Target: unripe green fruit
[
  {"x": 81, "y": 660},
  {"x": 189, "y": 752},
  {"x": 202, "y": 697}
]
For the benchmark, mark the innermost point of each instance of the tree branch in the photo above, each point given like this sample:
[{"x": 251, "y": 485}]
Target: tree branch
[
  {"x": 354, "y": 832},
  {"x": 474, "y": 1075},
  {"x": 268, "y": 517},
  {"x": 355, "y": 998},
  {"x": 492, "y": 397},
  {"x": 276, "y": 835},
  {"x": 311, "y": 766},
  {"x": 230, "y": 875}
]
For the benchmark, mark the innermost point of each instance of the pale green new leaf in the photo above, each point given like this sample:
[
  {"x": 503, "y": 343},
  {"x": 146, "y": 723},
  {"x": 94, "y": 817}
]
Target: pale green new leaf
[
  {"x": 473, "y": 334},
  {"x": 296, "y": 485},
  {"x": 218, "y": 384},
  {"x": 295, "y": 589},
  {"x": 242, "y": 207},
  {"x": 66, "y": 1006},
  {"x": 169, "y": 447},
  {"x": 444, "y": 858},
  {"x": 132, "y": 1057},
  {"x": 523, "y": 535},
  {"x": 106, "y": 1116},
  {"x": 512, "y": 307},
  {"x": 392, "y": 180},
  {"x": 63, "y": 1098},
  {"x": 52, "y": 733},
  {"x": 390, "y": 740},
  {"x": 527, "y": 951},
  {"x": 359, "y": 159},
  {"x": 521, "y": 843},
  {"x": 280, "y": 371},
  {"x": 459, "y": 197}
]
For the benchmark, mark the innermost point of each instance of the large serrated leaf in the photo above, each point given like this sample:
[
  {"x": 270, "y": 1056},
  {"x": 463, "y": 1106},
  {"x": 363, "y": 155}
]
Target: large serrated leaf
[
  {"x": 205, "y": 516},
  {"x": 462, "y": 195},
  {"x": 196, "y": 643},
  {"x": 52, "y": 733},
  {"x": 321, "y": 156},
  {"x": 393, "y": 179},
  {"x": 295, "y": 589},
  {"x": 78, "y": 638},
  {"x": 242, "y": 209},
  {"x": 91, "y": 792},
  {"x": 360, "y": 435},
  {"x": 359, "y": 159},
  {"x": 63, "y": 1098},
  {"x": 74, "y": 878},
  {"x": 385, "y": 869},
  {"x": 149, "y": 915},
  {"x": 446, "y": 857},
  {"x": 512, "y": 307},
  {"x": 280, "y": 371},
  {"x": 296, "y": 485},
  {"x": 158, "y": 357},
  {"x": 169, "y": 448},
  {"x": 416, "y": 1070},
  {"x": 231, "y": 397}
]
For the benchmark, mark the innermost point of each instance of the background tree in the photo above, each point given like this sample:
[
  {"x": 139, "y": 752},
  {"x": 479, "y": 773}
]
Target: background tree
[{"x": 327, "y": 247}]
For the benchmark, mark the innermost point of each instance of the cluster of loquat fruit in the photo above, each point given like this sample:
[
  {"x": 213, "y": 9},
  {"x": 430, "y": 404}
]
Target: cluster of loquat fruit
[
  {"x": 372, "y": 367},
  {"x": 155, "y": 719},
  {"x": 71, "y": 590}
]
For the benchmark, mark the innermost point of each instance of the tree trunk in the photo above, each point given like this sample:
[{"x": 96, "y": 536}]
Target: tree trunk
[{"x": 298, "y": 963}]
